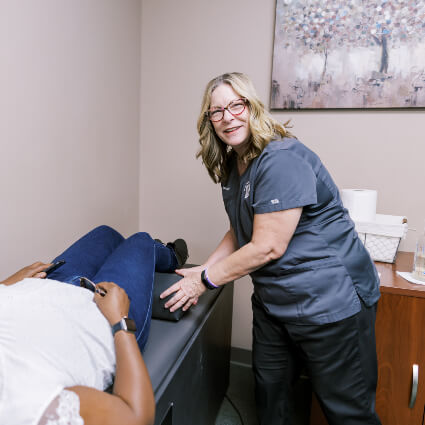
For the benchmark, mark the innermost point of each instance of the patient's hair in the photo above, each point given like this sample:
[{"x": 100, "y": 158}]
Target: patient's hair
[{"x": 215, "y": 154}]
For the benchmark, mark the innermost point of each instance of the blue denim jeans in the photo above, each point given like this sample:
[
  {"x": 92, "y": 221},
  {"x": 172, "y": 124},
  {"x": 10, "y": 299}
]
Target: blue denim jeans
[{"x": 105, "y": 255}]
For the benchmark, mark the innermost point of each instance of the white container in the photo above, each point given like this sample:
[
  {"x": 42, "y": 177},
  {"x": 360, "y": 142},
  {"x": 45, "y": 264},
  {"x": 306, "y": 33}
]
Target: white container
[
  {"x": 382, "y": 236},
  {"x": 419, "y": 263}
]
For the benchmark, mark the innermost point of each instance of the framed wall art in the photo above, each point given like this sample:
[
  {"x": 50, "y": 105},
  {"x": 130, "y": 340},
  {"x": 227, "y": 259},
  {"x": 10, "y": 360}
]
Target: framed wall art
[{"x": 348, "y": 54}]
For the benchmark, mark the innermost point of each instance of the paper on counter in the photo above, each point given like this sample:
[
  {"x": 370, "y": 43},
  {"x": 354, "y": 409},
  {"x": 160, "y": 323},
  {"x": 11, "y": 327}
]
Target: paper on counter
[{"x": 408, "y": 276}]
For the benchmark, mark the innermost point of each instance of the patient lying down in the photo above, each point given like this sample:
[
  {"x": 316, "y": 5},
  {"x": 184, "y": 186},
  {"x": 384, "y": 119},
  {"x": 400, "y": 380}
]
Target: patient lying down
[{"x": 57, "y": 351}]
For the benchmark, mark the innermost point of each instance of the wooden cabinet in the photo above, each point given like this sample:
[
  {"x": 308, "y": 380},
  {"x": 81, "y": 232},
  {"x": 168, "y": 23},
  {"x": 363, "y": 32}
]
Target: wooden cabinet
[{"x": 400, "y": 342}]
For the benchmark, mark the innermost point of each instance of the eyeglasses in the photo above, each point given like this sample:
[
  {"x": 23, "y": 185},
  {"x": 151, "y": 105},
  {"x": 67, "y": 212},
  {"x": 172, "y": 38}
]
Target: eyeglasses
[{"x": 235, "y": 107}]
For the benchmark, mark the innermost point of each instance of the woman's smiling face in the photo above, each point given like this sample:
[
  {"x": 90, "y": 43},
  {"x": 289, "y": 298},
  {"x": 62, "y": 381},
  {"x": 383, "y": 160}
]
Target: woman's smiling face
[{"x": 233, "y": 130}]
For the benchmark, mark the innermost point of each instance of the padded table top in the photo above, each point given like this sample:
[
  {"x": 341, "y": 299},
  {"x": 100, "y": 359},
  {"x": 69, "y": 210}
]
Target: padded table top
[{"x": 167, "y": 341}]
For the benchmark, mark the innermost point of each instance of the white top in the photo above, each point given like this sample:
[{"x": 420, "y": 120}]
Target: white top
[
  {"x": 52, "y": 336},
  {"x": 64, "y": 410}
]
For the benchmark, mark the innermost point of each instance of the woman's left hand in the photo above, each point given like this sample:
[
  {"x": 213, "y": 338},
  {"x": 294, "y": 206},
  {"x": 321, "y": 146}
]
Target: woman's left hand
[
  {"x": 114, "y": 303},
  {"x": 34, "y": 270},
  {"x": 187, "y": 290}
]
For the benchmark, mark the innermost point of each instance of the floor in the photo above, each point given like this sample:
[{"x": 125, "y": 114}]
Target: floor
[{"x": 238, "y": 407}]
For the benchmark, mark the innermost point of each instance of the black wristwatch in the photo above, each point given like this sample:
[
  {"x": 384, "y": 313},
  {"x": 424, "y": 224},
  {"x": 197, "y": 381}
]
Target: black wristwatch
[{"x": 125, "y": 324}]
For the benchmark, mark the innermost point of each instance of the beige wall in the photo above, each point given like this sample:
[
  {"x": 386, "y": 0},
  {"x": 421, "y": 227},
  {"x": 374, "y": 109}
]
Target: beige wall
[
  {"x": 70, "y": 84},
  {"x": 186, "y": 43},
  {"x": 69, "y": 123}
]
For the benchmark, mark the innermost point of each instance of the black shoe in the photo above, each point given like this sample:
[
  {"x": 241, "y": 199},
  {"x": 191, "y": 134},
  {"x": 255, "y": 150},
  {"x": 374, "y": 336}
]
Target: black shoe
[{"x": 179, "y": 247}]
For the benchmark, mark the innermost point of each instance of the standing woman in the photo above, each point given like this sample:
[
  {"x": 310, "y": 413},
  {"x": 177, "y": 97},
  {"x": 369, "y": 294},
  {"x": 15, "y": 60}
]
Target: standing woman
[{"x": 315, "y": 285}]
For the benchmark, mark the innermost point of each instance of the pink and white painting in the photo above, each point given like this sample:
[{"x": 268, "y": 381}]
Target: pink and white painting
[{"x": 349, "y": 54}]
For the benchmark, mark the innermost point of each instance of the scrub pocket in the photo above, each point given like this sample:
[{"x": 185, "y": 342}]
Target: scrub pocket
[{"x": 315, "y": 292}]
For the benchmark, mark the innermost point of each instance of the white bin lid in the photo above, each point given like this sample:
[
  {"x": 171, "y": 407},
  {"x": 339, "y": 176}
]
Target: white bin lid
[{"x": 384, "y": 225}]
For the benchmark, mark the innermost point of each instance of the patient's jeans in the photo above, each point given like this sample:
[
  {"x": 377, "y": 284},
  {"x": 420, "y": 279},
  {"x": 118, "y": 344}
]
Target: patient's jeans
[{"x": 104, "y": 255}]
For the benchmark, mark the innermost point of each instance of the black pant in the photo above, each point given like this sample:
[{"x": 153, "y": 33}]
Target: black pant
[{"x": 339, "y": 357}]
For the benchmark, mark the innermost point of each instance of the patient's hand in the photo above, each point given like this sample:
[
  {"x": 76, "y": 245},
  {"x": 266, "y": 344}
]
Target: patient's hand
[
  {"x": 34, "y": 270},
  {"x": 114, "y": 304}
]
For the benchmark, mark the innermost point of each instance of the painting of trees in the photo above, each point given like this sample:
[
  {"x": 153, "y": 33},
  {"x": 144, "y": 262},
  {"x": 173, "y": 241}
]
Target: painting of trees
[{"x": 352, "y": 53}]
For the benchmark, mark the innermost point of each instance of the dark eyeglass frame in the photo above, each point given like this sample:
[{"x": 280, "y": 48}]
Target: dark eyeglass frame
[{"x": 210, "y": 111}]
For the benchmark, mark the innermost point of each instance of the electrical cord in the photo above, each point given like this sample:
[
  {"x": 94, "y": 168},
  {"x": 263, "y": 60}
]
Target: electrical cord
[{"x": 234, "y": 407}]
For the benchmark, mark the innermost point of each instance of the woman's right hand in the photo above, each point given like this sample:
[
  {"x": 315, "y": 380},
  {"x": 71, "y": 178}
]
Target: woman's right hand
[
  {"x": 185, "y": 271},
  {"x": 115, "y": 304},
  {"x": 33, "y": 270}
]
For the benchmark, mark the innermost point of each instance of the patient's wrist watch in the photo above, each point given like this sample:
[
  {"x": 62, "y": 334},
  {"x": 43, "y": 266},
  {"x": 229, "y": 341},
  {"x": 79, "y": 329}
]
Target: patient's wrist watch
[{"x": 125, "y": 324}]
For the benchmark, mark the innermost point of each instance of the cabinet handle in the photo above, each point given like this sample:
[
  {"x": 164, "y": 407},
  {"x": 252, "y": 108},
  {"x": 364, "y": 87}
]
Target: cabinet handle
[{"x": 415, "y": 379}]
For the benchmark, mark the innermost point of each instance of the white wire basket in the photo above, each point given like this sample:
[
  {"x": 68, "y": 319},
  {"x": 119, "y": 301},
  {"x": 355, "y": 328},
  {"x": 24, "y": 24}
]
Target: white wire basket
[{"x": 382, "y": 237}]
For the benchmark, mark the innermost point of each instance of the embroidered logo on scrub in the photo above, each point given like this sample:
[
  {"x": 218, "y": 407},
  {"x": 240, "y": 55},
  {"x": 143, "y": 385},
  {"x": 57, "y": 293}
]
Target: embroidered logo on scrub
[
  {"x": 275, "y": 201},
  {"x": 246, "y": 189},
  {"x": 225, "y": 187}
]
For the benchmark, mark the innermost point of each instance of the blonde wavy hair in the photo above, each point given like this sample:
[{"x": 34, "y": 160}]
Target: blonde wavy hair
[{"x": 215, "y": 154}]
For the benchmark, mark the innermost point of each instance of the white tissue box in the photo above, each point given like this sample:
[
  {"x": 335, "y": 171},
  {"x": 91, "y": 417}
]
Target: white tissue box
[{"x": 382, "y": 236}]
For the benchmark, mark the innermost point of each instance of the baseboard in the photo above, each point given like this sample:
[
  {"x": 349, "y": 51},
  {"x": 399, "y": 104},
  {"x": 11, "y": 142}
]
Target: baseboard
[{"x": 241, "y": 356}]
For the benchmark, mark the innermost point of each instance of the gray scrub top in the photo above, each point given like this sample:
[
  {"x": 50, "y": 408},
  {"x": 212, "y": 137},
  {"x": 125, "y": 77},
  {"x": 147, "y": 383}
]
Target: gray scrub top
[{"x": 326, "y": 267}]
